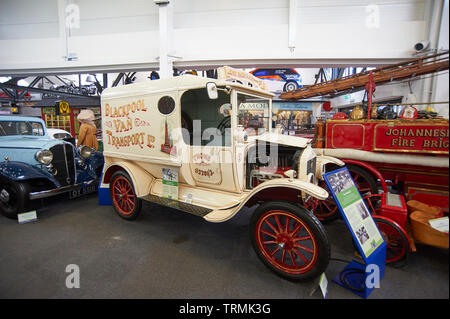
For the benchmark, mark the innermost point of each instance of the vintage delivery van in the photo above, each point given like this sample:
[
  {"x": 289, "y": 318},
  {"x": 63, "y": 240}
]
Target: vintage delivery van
[{"x": 207, "y": 147}]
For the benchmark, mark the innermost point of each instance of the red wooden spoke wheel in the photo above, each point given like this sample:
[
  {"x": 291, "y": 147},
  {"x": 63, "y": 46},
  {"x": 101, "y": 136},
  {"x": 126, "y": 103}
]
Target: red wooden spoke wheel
[
  {"x": 396, "y": 241},
  {"x": 364, "y": 182},
  {"x": 326, "y": 210},
  {"x": 289, "y": 240},
  {"x": 123, "y": 196}
]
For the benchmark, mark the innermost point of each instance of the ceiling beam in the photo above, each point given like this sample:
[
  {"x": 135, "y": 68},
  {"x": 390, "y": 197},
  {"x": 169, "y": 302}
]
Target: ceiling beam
[
  {"x": 46, "y": 91},
  {"x": 204, "y": 65}
]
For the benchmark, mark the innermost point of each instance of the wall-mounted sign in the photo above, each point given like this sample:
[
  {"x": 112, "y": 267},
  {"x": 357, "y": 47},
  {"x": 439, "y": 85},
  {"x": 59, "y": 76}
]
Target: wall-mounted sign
[
  {"x": 63, "y": 108},
  {"x": 253, "y": 106},
  {"x": 292, "y": 106}
]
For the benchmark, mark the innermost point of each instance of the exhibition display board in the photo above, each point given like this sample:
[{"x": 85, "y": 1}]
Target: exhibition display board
[{"x": 365, "y": 233}]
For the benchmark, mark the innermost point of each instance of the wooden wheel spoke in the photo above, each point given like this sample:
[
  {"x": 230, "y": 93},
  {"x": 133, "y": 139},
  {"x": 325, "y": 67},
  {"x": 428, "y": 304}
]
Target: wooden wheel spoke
[
  {"x": 268, "y": 233},
  {"x": 303, "y": 247},
  {"x": 280, "y": 229},
  {"x": 301, "y": 256},
  {"x": 292, "y": 258},
  {"x": 328, "y": 206},
  {"x": 296, "y": 229},
  {"x": 269, "y": 242},
  {"x": 295, "y": 239},
  {"x": 283, "y": 256},
  {"x": 131, "y": 203},
  {"x": 271, "y": 226},
  {"x": 127, "y": 205},
  {"x": 273, "y": 252},
  {"x": 116, "y": 187},
  {"x": 286, "y": 226}
]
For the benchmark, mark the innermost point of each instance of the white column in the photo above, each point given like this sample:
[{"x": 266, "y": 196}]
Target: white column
[
  {"x": 165, "y": 32},
  {"x": 292, "y": 24},
  {"x": 433, "y": 37},
  {"x": 62, "y": 29}
]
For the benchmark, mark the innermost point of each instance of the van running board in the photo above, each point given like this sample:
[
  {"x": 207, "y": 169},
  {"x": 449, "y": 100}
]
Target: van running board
[{"x": 185, "y": 207}]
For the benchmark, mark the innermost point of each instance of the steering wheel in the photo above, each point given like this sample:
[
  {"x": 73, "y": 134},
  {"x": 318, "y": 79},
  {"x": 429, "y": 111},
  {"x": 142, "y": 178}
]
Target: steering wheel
[{"x": 225, "y": 123}]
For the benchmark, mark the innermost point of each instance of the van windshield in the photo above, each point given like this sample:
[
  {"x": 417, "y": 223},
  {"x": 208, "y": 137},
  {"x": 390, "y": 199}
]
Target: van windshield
[{"x": 253, "y": 114}]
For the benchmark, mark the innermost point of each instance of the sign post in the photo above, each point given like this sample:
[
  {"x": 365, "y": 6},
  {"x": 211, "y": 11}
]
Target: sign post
[{"x": 359, "y": 278}]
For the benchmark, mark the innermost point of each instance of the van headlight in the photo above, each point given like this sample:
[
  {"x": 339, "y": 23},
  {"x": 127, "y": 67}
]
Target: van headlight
[
  {"x": 84, "y": 151},
  {"x": 44, "y": 157}
]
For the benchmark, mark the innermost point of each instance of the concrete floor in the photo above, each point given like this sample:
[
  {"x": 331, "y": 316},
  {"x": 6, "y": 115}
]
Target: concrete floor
[{"x": 170, "y": 254}]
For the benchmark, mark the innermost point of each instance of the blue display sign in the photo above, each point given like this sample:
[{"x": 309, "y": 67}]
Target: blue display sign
[{"x": 365, "y": 233}]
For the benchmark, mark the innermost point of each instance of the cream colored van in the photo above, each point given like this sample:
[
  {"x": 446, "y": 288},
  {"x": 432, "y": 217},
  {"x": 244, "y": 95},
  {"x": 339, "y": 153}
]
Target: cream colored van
[{"x": 207, "y": 147}]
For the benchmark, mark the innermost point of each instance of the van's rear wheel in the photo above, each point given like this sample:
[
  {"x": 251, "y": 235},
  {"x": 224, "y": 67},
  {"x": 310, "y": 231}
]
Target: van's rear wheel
[
  {"x": 126, "y": 204},
  {"x": 289, "y": 240}
]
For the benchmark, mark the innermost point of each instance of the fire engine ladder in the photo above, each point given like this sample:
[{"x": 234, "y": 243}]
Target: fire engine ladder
[{"x": 404, "y": 70}]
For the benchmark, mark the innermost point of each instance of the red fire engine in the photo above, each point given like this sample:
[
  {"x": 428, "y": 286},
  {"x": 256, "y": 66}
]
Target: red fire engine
[{"x": 393, "y": 161}]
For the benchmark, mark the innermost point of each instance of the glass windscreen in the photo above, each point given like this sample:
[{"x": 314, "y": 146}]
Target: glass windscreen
[
  {"x": 253, "y": 114},
  {"x": 21, "y": 128}
]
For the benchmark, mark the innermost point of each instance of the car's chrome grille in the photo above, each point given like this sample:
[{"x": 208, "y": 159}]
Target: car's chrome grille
[{"x": 63, "y": 163}]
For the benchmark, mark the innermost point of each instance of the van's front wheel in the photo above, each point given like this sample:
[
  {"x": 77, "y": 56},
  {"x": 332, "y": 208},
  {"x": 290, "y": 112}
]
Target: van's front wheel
[
  {"x": 289, "y": 240},
  {"x": 126, "y": 204}
]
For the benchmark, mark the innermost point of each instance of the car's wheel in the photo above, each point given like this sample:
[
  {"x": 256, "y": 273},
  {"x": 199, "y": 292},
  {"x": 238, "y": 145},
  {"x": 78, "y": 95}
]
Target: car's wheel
[
  {"x": 397, "y": 244},
  {"x": 126, "y": 204},
  {"x": 290, "y": 86},
  {"x": 365, "y": 183},
  {"x": 325, "y": 210},
  {"x": 289, "y": 240},
  {"x": 14, "y": 198},
  {"x": 328, "y": 211}
]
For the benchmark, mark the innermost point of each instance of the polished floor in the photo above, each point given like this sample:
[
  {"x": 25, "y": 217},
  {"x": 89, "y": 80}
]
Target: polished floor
[{"x": 169, "y": 254}]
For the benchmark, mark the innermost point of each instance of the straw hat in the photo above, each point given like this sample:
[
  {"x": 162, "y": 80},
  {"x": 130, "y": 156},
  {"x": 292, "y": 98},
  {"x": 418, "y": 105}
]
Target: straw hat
[{"x": 86, "y": 116}]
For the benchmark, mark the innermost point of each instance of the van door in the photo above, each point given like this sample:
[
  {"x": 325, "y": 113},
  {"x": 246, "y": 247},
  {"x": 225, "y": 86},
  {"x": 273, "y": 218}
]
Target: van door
[{"x": 208, "y": 123}]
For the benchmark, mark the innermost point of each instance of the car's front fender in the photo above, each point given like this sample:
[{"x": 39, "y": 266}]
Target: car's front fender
[
  {"x": 322, "y": 161},
  {"x": 221, "y": 215},
  {"x": 19, "y": 171}
]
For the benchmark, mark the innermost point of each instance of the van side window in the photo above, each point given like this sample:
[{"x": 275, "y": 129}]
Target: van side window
[{"x": 206, "y": 122}]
